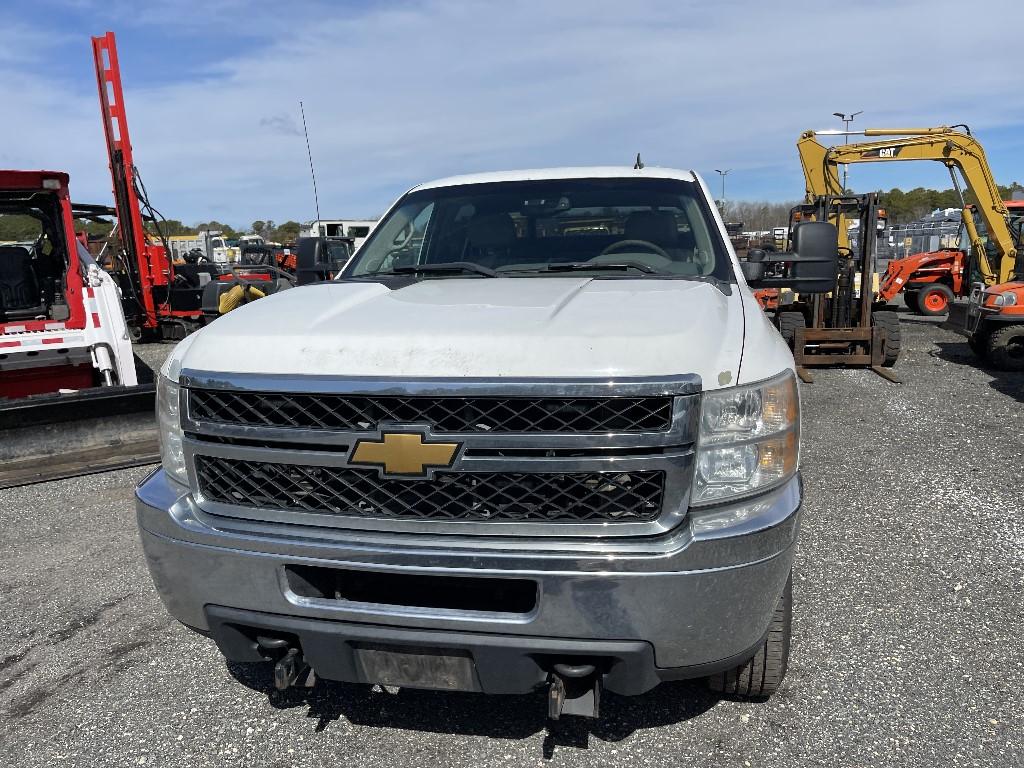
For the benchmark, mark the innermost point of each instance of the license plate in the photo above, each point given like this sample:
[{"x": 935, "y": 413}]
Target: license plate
[{"x": 443, "y": 670}]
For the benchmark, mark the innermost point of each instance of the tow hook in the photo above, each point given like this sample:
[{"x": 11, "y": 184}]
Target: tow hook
[
  {"x": 574, "y": 689},
  {"x": 289, "y": 668}
]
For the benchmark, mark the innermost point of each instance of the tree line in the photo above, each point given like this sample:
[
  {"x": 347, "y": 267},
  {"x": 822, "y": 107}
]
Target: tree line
[
  {"x": 900, "y": 206},
  {"x": 20, "y": 228}
]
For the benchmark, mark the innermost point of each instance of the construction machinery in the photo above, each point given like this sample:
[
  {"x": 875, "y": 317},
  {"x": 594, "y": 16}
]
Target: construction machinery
[
  {"x": 73, "y": 398},
  {"x": 162, "y": 299},
  {"x": 841, "y": 324},
  {"x": 66, "y": 362},
  {"x": 990, "y": 271},
  {"x": 929, "y": 281},
  {"x": 993, "y": 320}
]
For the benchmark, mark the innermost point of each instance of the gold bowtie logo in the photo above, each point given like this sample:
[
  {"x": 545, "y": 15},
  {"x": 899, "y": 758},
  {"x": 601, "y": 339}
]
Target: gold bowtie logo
[{"x": 404, "y": 454}]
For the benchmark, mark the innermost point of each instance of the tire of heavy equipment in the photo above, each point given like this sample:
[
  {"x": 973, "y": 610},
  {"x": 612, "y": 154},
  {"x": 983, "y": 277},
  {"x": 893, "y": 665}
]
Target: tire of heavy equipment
[
  {"x": 934, "y": 300},
  {"x": 788, "y": 323},
  {"x": 1006, "y": 348},
  {"x": 761, "y": 675},
  {"x": 910, "y": 299},
  {"x": 889, "y": 322},
  {"x": 978, "y": 344}
]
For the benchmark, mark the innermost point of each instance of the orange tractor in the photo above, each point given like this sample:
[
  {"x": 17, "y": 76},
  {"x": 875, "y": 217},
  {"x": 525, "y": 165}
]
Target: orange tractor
[
  {"x": 995, "y": 324},
  {"x": 930, "y": 280}
]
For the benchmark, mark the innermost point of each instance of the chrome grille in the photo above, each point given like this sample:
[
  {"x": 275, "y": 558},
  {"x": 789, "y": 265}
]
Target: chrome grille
[
  {"x": 569, "y": 497},
  {"x": 470, "y": 414}
]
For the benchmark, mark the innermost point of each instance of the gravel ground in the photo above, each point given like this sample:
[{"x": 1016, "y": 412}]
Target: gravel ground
[
  {"x": 154, "y": 355},
  {"x": 907, "y": 644}
]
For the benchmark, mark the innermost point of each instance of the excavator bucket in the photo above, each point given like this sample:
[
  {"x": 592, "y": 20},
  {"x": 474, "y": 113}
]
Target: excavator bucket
[{"x": 48, "y": 437}]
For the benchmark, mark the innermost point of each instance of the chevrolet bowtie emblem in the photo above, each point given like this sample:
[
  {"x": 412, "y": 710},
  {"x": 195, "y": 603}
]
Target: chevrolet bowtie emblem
[{"x": 404, "y": 454}]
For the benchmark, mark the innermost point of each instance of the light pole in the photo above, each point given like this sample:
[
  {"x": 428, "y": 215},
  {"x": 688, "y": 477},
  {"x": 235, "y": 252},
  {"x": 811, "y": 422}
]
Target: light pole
[
  {"x": 847, "y": 119},
  {"x": 723, "y": 174}
]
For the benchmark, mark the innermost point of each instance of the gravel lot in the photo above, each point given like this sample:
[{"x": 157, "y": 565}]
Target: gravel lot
[{"x": 908, "y": 648}]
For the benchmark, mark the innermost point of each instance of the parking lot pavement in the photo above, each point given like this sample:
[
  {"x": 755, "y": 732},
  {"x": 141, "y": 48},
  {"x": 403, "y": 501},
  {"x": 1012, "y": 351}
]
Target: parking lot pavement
[{"x": 907, "y": 647}]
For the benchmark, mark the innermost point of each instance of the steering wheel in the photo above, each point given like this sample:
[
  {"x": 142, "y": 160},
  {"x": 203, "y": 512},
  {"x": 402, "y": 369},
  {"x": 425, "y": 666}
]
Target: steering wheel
[{"x": 618, "y": 246}]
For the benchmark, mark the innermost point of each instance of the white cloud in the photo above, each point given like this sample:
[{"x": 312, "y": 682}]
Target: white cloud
[{"x": 400, "y": 94}]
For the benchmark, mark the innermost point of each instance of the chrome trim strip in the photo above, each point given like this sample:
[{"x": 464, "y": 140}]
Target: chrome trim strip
[{"x": 685, "y": 384}]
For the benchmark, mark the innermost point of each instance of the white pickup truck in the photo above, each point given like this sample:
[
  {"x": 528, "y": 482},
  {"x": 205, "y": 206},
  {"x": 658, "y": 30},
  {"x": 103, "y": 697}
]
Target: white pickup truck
[{"x": 538, "y": 435}]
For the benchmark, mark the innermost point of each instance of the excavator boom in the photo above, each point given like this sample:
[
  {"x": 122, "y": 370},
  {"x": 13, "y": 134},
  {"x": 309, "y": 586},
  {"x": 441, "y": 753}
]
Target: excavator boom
[{"x": 954, "y": 149}]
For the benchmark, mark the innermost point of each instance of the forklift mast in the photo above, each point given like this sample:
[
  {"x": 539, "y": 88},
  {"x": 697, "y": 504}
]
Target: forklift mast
[{"x": 146, "y": 263}]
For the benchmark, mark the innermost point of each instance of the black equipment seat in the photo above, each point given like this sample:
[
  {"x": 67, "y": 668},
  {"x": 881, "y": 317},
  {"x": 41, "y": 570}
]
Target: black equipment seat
[
  {"x": 257, "y": 255},
  {"x": 20, "y": 295}
]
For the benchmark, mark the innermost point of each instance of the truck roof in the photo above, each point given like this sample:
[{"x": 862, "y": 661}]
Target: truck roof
[{"x": 587, "y": 172}]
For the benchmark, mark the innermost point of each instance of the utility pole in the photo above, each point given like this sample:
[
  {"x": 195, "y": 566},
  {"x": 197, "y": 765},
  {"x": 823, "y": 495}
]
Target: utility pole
[
  {"x": 847, "y": 119},
  {"x": 723, "y": 174}
]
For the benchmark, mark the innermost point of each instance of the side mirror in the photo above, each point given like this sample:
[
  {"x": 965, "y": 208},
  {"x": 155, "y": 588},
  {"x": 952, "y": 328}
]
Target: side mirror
[
  {"x": 753, "y": 267},
  {"x": 319, "y": 259},
  {"x": 817, "y": 264},
  {"x": 811, "y": 268}
]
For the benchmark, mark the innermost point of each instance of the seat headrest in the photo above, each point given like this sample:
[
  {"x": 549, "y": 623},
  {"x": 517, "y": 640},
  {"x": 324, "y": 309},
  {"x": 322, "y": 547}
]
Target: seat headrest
[
  {"x": 493, "y": 230},
  {"x": 652, "y": 226},
  {"x": 14, "y": 252}
]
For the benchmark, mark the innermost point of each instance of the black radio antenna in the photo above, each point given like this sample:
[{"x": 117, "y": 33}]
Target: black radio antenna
[{"x": 309, "y": 153}]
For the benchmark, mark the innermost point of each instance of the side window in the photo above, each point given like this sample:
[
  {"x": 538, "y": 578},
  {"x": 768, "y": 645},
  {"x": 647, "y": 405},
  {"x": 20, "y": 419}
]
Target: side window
[
  {"x": 400, "y": 240},
  {"x": 412, "y": 236},
  {"x": 697, "y": 225}
]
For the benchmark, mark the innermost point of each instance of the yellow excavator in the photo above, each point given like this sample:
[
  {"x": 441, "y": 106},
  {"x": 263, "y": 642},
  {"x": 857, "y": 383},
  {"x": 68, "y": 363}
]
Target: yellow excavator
[
  {"x": 957, "y": 150},
  {"x": 930, "y": 280}
]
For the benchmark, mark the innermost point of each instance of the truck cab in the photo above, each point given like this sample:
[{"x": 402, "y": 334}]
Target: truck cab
[{"x": 537, "y": 435}]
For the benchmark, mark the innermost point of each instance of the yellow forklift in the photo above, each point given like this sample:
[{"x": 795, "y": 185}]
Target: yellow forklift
[{"x": 841, "y": 325}]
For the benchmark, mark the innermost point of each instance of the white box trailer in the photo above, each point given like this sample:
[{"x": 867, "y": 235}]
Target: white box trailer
[{"x": 357, "y": 229}]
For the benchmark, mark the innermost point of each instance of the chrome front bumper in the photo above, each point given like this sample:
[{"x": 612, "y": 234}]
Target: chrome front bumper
[{"x": 697, "y": 598}]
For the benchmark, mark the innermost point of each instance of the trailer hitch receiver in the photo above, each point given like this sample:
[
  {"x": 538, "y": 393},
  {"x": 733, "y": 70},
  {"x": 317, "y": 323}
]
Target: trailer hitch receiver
[
  {"x": 574, "y": 689},
  {"x": 289, "y": 669}
]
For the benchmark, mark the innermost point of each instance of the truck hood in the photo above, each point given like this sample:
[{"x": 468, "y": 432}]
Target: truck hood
[{"x": 454, "y": 327}]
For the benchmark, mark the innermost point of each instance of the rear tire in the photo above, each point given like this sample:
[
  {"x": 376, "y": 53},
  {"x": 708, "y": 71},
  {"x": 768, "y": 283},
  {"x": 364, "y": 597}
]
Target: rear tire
[
  {"x": 1006, "y": 348},
  {"x": 889, "y": 322},
  {"x": 910, "y": 299},
  {"x": 934, "y": 300},
  {"x": 761, "y": 675},
  {"x": 788, "y": 323}
]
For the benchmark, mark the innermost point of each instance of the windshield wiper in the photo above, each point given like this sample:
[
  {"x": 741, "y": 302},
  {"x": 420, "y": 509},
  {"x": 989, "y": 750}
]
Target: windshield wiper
[
  {"x": 445, "y": 266},
  {"x": 586, "y": 266}
]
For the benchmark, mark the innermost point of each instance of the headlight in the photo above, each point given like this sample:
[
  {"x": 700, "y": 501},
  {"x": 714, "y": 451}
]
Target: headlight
[
  {"x": 749, "y": 439},
  {"x": 1007, "y": 299},
  {"x": 169, "y": 423}
]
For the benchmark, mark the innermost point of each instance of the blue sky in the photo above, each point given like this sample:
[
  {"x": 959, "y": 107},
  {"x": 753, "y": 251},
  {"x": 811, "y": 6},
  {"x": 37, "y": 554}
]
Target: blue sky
[{"x": 402, "y": 92}]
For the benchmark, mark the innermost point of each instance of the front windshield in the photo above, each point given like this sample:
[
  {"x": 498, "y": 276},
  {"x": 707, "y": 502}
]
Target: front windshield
[{"x": 605, "y": 227}]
